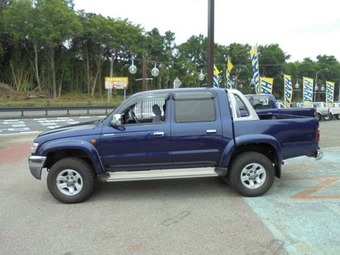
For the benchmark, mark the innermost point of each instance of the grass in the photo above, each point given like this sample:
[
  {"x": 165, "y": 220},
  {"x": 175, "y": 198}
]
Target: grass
[{"x": 65, "y": 100}]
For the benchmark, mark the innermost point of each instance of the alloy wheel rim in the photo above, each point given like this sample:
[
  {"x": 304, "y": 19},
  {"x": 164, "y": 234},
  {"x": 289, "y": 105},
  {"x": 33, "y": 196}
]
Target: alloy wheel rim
[
  {"x": 253, "y": 176},
  {"x": 69, "y": 182}
]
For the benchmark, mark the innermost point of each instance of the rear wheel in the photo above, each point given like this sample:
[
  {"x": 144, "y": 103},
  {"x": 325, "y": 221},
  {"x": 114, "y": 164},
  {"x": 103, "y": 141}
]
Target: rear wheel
[
  {"x": 251, "y": 174},
  {"x": 71, "y": 180},
  {"x": 319, "y": 116}
]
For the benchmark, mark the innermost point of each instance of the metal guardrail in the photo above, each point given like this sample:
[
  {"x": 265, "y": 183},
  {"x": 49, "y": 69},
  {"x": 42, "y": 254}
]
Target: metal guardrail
[{"x": 57, "y": 108}]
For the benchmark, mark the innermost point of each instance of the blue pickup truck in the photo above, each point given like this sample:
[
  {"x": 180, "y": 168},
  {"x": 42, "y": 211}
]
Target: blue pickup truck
[{"x": 175, "y": 133}]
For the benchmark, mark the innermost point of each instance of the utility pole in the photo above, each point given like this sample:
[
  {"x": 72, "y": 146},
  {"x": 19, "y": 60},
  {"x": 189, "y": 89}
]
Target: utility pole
[
  {"x": 144, "y": 74},
  {"x": 211, "y": 7}
]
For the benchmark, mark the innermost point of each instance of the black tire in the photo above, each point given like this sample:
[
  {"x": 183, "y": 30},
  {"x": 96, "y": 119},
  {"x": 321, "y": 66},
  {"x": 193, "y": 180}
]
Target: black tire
[
  {"x": 251, "y": 174},
  {"x": 338, "y": 116},
  {"x": 328, "y": 117},
  {"x": 319, "y": 116},
  {"x": 71, "y": 180}
]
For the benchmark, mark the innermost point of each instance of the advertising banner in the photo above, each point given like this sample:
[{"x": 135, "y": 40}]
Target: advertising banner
[
  {"x": 288, "y": 92},
  {"x": 307, "y": 90},
  {"x": 330, "y": 92}
]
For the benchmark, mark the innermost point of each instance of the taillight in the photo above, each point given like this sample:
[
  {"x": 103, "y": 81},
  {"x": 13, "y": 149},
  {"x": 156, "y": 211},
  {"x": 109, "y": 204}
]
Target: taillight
[{"x": 318, "y": 135}]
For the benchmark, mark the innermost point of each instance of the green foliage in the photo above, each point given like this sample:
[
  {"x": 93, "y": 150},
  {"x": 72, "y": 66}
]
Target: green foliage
[
  {"x": 50, "y": 48},
  {"x": 57, "y": 22}
]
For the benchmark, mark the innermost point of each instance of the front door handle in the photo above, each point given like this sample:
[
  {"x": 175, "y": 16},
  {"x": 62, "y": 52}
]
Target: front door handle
[
  {"x": 160, "y": 134},
  {"x": 211, "y": 131}
]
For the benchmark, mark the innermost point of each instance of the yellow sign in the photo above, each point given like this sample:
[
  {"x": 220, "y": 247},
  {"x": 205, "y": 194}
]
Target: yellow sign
[{"x": 116, "y": 82}]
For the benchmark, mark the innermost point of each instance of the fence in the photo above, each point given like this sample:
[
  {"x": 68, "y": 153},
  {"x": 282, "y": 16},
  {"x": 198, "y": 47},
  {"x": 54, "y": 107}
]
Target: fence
[{"x": 66, "y": 109}]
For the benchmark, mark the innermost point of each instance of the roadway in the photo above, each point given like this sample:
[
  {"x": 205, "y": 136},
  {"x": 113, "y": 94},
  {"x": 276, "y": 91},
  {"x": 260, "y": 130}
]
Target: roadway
[
  {"x": 34, "y": 121},
  {"x": 299, "y": 215},
  {"x": 29, "y": 125}
]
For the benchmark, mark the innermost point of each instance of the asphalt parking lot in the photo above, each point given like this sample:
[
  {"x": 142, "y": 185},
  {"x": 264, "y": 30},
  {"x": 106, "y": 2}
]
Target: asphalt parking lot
[{"x": 299, "y": 215}]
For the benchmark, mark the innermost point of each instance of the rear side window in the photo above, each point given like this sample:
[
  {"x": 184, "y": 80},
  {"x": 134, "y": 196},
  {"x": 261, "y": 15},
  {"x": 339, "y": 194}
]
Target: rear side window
[
  {"x": 241, "y": 110},
  {"x": 194, "y": 107}
]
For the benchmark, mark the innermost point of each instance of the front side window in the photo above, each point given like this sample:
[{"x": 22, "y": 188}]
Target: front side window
[{"x": 147, "y": 110}]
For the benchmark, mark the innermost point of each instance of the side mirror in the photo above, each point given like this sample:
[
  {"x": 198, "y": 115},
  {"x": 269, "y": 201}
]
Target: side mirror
[{"x": 116, "y": 120}]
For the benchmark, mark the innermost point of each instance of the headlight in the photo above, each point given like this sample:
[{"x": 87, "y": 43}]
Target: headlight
[{"x": 34, "y": 147}]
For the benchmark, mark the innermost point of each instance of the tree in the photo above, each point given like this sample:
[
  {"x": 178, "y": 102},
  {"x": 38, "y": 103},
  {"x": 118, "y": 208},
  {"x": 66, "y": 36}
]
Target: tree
[
  {"x": 22, "y": 22},
  {"x": 6, "y": 42},
  {"x": 158, "y": 50},
  {"x": 240, "y": 57},
  {"x": 191, "y": 59},
  {"x": 59, "y": 24},
  {"x": 106, "y": 39},
  {"x": 271, "y": 59},
  {"x": 46, "y": 46}
]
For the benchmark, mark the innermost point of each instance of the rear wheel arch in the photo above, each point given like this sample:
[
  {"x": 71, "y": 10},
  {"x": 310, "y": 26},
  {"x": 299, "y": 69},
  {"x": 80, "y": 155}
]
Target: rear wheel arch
[
  {"x": 263, "y": 148},
  {"x": 266, "y": 149}
]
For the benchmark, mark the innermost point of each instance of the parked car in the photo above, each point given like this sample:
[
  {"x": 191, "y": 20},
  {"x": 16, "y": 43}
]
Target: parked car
[
  {"x": 322, "y": 110},
  {"x": 334, "y": 111}
]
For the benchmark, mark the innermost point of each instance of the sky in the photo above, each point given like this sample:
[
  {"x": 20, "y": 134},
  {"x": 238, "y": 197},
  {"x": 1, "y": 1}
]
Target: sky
[{"x": 301, "y": 28}]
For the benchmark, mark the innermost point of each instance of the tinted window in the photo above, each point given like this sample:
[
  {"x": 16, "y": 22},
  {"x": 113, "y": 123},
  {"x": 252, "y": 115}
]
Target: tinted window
[{"x": 194, "y": 107}]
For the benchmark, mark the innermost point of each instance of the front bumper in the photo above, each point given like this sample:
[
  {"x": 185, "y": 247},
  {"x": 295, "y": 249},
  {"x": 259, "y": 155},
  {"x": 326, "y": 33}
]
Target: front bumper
[{"x": 36, "y": 164}]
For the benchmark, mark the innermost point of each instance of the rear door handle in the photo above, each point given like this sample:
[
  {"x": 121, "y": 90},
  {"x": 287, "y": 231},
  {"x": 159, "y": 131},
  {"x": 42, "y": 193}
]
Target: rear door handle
[
  {"x": 160, "y": 134},
  {"x": 211, "y": 131}
]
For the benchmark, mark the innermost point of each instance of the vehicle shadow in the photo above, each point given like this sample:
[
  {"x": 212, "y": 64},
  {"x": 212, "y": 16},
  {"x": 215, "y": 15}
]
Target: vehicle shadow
[{"x": 161, "y": 189}]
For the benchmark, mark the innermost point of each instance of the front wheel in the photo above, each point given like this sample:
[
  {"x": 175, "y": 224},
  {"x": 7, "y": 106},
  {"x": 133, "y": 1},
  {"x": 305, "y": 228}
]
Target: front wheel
[
  {"x": 251, "y": 174},
  {"x": 328, "y": 117},
  {"x": 71, "y": 180}
]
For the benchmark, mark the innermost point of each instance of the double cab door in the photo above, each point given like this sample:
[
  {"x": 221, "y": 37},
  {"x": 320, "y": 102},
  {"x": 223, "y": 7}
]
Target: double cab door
[{"x": 188, "y": 134}]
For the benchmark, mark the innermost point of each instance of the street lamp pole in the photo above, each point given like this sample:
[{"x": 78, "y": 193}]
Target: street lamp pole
[{"x": 315, "y": 89}]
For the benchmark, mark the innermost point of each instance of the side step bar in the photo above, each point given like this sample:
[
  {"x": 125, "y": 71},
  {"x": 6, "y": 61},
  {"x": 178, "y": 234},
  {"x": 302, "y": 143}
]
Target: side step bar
[{"x": 158, "y": 174}]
